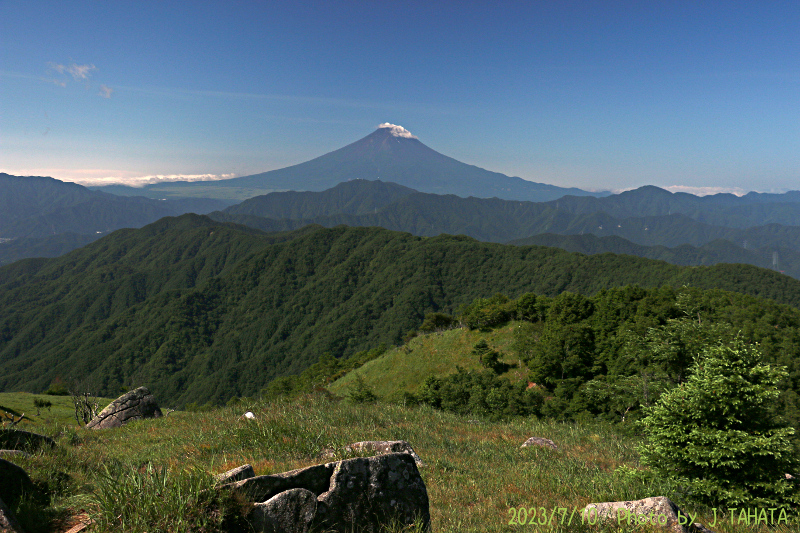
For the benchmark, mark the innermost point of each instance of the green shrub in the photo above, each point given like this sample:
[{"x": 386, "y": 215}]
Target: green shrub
[
  {"x": 57, "y": 388},
  {"x": 718, "y": 435},
  {"x": 360, "y": 392},
  {"x": 484, "y": 313},
  {"x": 436, "y": 322}
]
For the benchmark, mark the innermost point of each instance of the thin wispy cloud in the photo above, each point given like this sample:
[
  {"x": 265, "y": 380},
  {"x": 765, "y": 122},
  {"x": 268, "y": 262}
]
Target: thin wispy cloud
[
  {"x": 79, "y": 72},
  {"x": 104, "y": 176},
  {"x": 105, "y": 91},
  {"x": 299, "y": 99},
  {"x": 141, "y": 181},
  {"x": 705, "y": 191},
  {"x": 8, "y": 74}
]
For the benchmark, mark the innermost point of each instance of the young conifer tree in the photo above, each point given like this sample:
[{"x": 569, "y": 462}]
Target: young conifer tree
[{"x": 718, "y": 434}]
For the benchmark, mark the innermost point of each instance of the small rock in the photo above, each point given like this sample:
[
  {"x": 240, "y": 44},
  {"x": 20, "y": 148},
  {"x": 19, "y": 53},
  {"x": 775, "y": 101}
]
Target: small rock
[
  {"x": 291, "y": 511},
  {"x": 8, "y": 522},
  {"x": 327, "y": 453},
  {"x": 249, "y": 415},
  {"x": 236, "y": 474},
  {"x": 133, "y": 405},
  {"x": 539, "y": 441},
  {"x": 657, "y": 511},
  {"x": 383, "y": 447}
]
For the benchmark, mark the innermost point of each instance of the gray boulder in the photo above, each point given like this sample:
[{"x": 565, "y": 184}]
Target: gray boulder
[
  {"x": 541, "y": 442},
  {"x": 15, "y": 481},
  {"x": 27, "y": 441},
  {"x": 291, "y": 511},
  {"x": 8, "y": 522},
  {"x": 658, "y": 511},
  {"x": 383, "y": 447},
  {"x": 133, "y": 405},
  {"x": 370, "y": 492},
  {"x": 236, "y": 474}
]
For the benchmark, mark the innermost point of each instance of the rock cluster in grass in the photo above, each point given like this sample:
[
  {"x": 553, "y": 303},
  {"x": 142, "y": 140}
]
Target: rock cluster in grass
[
  {"x": 133, "y": 405},
  {"x": 659, "y": 512},
  {"x": 367, "y": 492}
]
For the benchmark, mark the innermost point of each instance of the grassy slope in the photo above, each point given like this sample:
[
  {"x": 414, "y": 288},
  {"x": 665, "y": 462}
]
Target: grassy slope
[
  {"x": 62, "y": 412},
  {"x": 404, "y": 369},
  {"x": 475, "y": 471}
]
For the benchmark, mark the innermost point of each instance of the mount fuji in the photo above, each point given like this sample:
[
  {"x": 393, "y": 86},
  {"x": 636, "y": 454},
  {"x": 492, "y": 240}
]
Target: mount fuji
[{"x": 390, "y": 153}]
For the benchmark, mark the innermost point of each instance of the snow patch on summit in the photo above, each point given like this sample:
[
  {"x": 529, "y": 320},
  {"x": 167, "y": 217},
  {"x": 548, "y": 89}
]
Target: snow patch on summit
[{"x": 397, "y": 131}]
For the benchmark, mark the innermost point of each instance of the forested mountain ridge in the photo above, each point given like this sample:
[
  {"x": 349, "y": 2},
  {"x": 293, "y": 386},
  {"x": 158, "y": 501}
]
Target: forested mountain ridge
[
  {"x": 496, "y": 220},
  {"x": 785, "y": 260},
  {"x": 353, "y": 197},
  {"x": 200, "y": 310}
]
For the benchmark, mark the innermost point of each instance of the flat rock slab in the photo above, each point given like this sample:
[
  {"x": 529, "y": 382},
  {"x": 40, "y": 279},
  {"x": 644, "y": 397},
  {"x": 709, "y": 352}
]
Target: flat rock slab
[
  {"x": 383, "y": 447},
  {"x": 658, "y": 511},
  {"x": 291, "y": 511},
  {"x": 133, "y": 405},
  {"x": 541, "y": 442},
  {"x": 17, "y": 439},
  {"x": 316, "y": 479}
]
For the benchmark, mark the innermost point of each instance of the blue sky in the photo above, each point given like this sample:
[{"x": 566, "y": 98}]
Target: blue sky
[{"x": 598, "y": 95}]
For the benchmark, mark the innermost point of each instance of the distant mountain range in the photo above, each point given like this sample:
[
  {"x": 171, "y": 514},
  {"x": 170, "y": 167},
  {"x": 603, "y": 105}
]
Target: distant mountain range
[
  {"x": 35, "y": 206},
  {"x": 648, "y": 222},
  {"x": 390, "y": 153},
  {"x": 45, "y": 217},
  {"x": 675, "y": 237},
  {"x": 203, "y": 311}
]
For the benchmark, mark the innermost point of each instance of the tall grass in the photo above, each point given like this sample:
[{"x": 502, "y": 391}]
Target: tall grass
[
  {"x": 155, "y": 499},
  {"x": 478, "y": 478}
]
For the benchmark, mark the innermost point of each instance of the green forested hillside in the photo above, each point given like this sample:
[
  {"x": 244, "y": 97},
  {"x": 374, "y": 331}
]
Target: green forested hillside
[
  {"x": 53, "y": 246},
  {"x": 602, "y": 355},
  {"x": 198, "y": 310}
]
